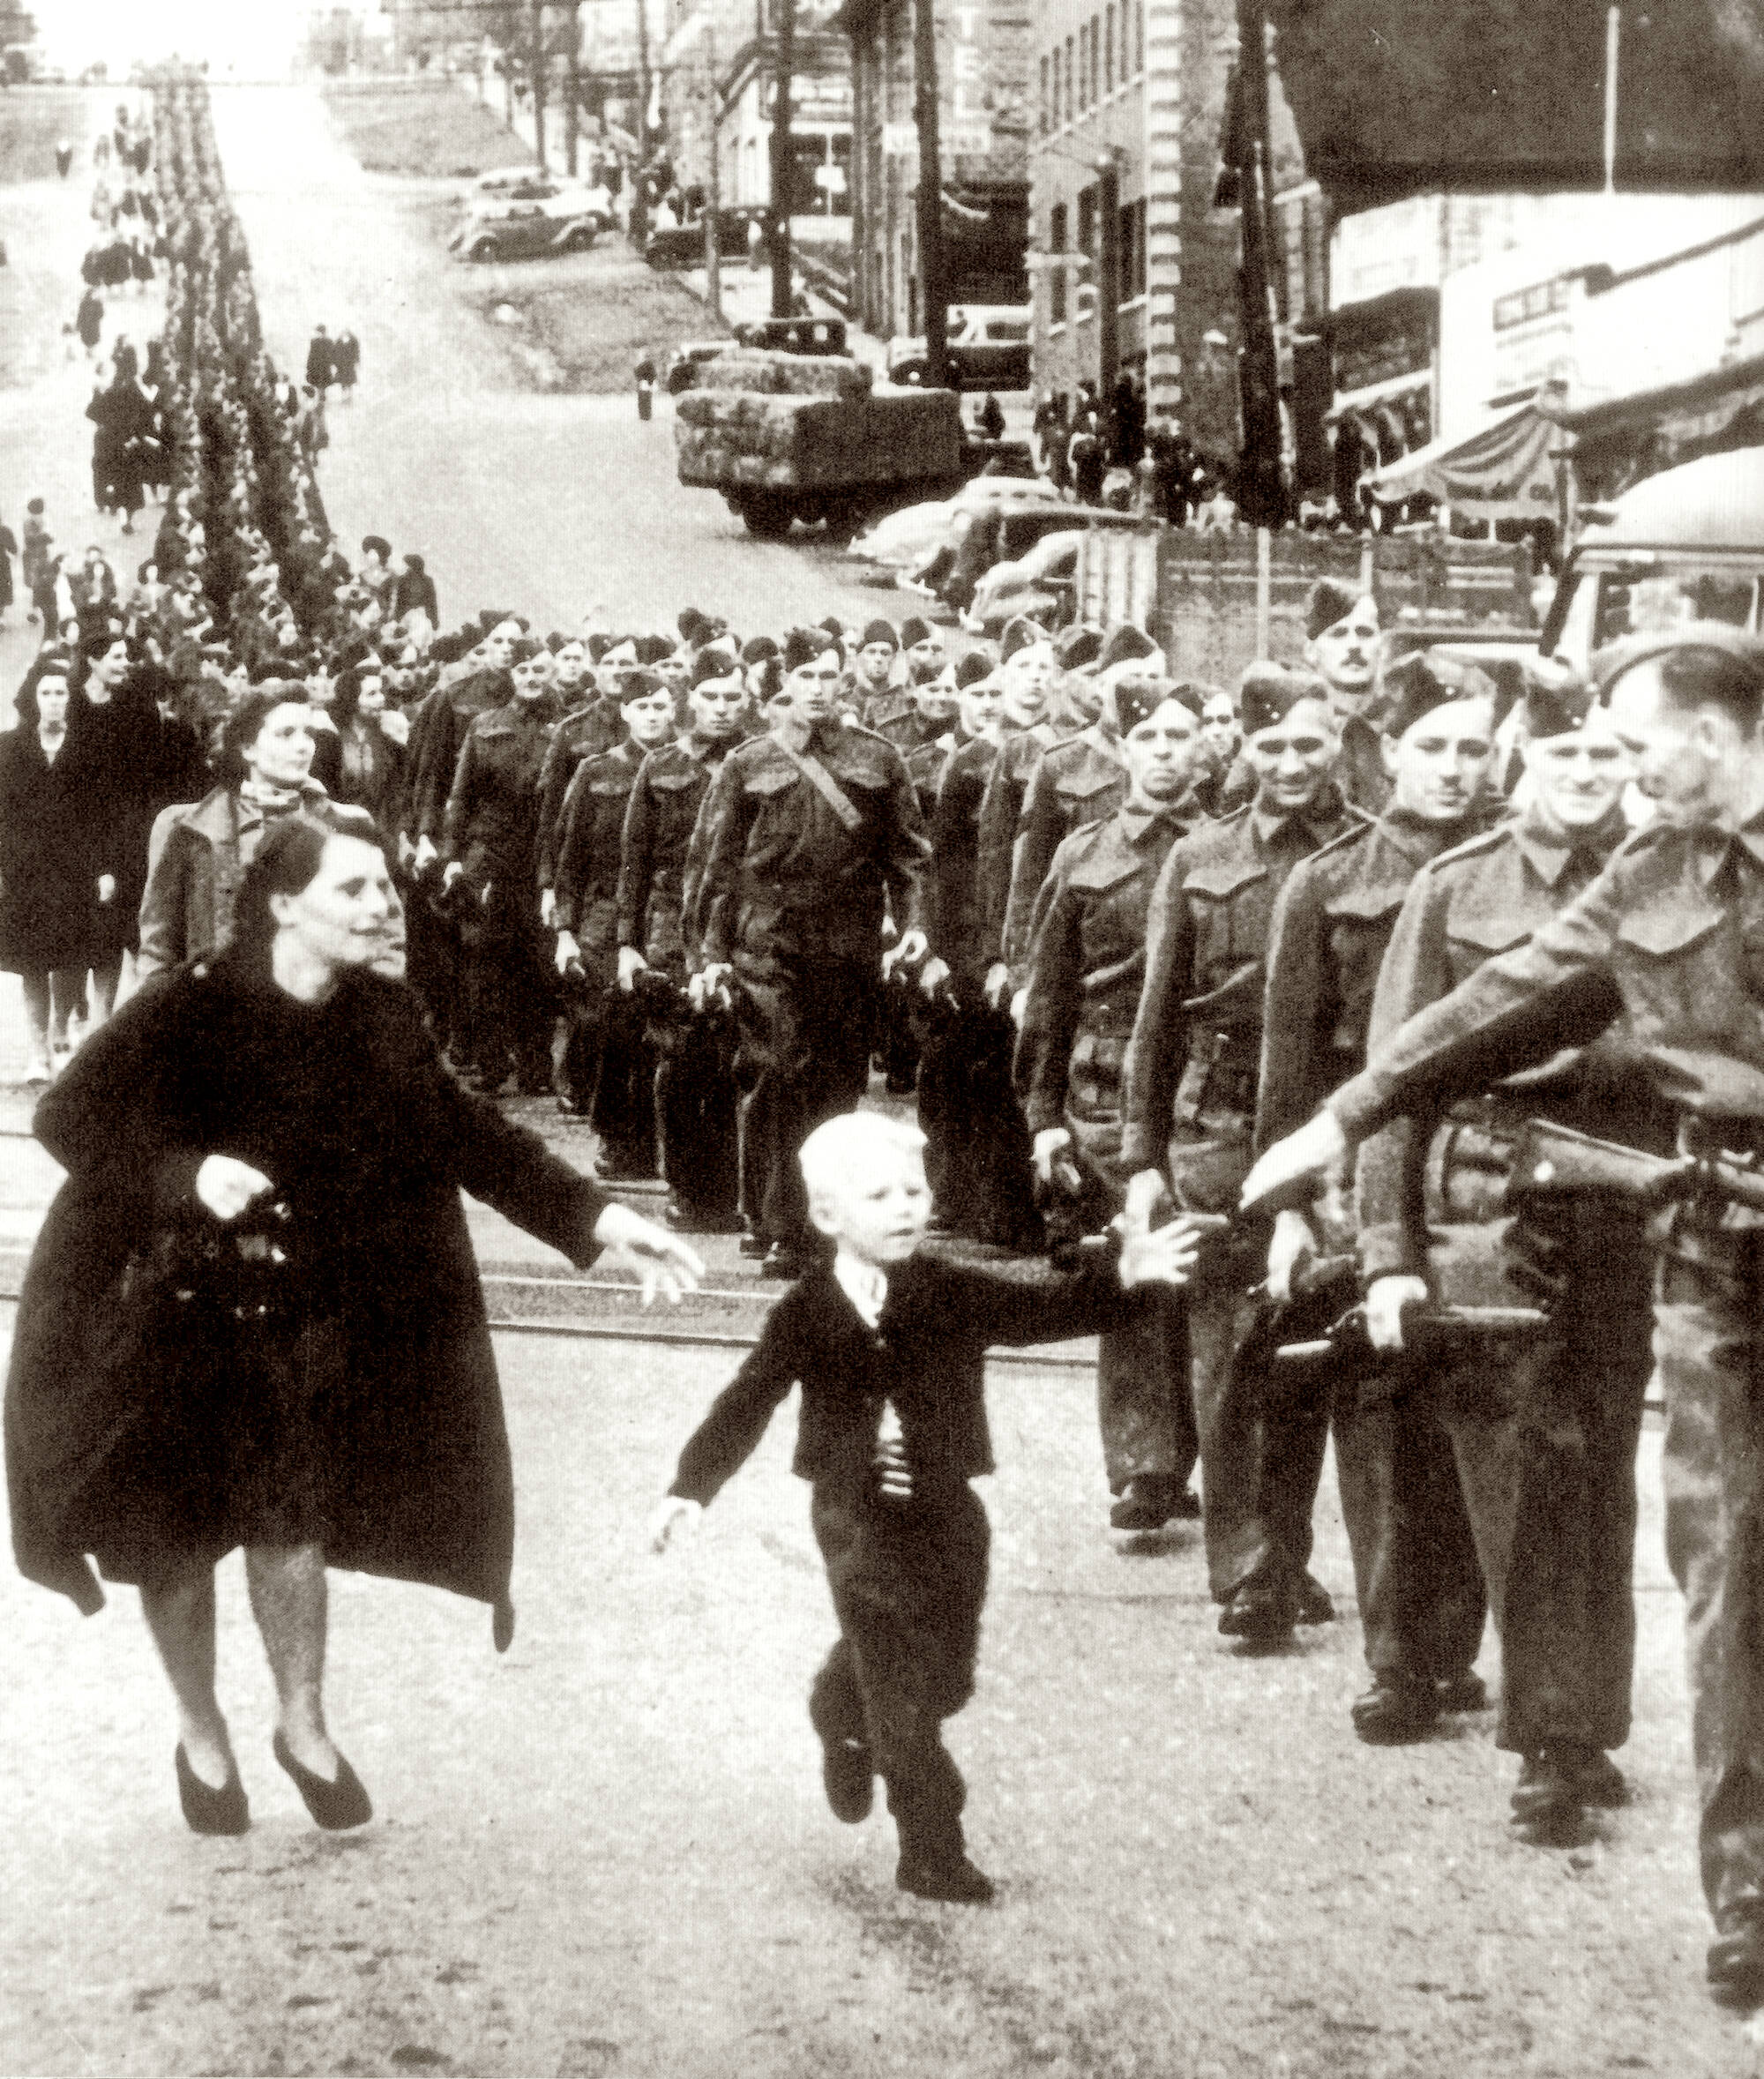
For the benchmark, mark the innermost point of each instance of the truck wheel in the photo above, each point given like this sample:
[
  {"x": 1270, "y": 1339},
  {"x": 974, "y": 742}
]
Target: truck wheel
[
  {"x": 768, "y": 515},
  {"x": 845, "y": 517}
]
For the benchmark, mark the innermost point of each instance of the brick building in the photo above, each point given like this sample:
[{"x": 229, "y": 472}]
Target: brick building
[{"x": 983, "y": 81}]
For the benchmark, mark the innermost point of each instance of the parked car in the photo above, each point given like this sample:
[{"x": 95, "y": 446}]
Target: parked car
[
  {"x": 686, "y": 360},
  {"x": 794, "y": 335},
  {"x": 988, "y": 348},
  {"x": 561, "y": 194},
  {"x": 1037, "y": 584},
  {"x": 523, "y": 231},
  {"x": 683, "y": 245}
]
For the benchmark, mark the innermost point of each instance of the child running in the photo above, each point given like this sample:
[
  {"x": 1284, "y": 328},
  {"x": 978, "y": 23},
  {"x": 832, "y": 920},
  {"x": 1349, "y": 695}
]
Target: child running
[{"x": 888, "y": 1346}]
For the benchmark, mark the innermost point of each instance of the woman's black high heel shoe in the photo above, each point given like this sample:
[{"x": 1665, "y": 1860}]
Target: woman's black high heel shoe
[
  {"x": 336, "y": 1807},
  {"x": 207, "y": 1811}
]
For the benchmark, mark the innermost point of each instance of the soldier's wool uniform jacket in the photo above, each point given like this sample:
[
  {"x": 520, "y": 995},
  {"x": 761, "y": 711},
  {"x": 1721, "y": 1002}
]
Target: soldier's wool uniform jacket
[
  {"x": 1087, "y": 967},
  {"x": 1001, "y": 808},
  {"x": 1671, "y": 935},
  {"x": 1478, "y": 900},
  {"x": 894, "y": 715},
  {"x": 584, "y": 733},
  {"x": 780, "y": 863},
  {"x": 1331, "y": 925},
  {"x": 659, "y": 818},
  {"x": 493, "y": 806},
  {"x": 928, "y": 763},
  {"x": 590, "y": 847},
  {"x": 1359, "y": 772},
  {"x": 956, "y": 920},
  {"x": 926, "y": 1356},
  {"x": 437, "y": 739},
  {"x": 1196, "y": 1038},
  {"x": 1083, "y": 779}
]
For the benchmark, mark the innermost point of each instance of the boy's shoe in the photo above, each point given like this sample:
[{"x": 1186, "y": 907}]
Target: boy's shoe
[
  {"x": 957, "y": 1881},
  {"x": 849, "y": 1777}
]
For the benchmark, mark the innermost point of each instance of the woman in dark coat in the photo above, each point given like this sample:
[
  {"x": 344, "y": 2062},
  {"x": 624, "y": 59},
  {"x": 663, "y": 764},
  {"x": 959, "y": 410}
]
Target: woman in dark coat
[
  {"x": 415, "y": 593},
  {"x": 49, "y": 885},
  {"x": 116, "y": 737},
  {"x": 282, "y": 1346},
  {"x": 370, "y": 765}
]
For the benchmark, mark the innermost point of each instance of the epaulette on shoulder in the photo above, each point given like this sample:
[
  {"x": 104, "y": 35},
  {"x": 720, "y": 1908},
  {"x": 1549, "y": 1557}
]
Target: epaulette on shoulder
[
  {"x": 1076, "y": 845},
  {"x": 1345, "y": 842},
  {"x": 1484, "y": 841}
]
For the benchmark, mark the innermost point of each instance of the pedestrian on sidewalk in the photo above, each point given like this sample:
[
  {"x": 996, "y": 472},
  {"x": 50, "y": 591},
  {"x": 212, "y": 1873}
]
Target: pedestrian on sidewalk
[
  {"x": 346, "y": 357},
  {"x": 37, "y": 567},
  {"x": 9, "y": 549},
  {"x": 89, "y": 322},
  {"x": 645, "y": 373},
  {"x": 63, "y": 157},
  {"x": 889, "y": 1347},
  {"x": 321, "y": 366},
  {"x": 283, "y": 1345}
]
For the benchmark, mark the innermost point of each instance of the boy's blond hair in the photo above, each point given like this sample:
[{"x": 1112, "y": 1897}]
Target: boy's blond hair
[{"x": 850, "y": 1146}]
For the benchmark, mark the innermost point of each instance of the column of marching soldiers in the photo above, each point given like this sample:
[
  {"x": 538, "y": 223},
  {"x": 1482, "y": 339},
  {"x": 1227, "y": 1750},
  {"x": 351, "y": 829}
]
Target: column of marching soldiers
[{"x": 1119, "y": 929}]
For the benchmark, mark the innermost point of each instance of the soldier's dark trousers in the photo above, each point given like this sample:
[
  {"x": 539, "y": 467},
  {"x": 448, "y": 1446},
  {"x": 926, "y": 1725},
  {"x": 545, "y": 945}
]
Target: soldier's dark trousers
[
  {"x": 432, "y": 962},
  {"x": 622, "y": 1111},
  {"x": 907, "y": 1581},
  {"x": 510, "y": 993},
  {"x": 977, "y": 1148},
  {"x": 806, "y": 1030},
  {"x": 1229, "y": 1352},
  {"x": 1420, "y": 1590},
  {"x": 695, "y": 1119},
  {"x": 1709, "y": 1354},
  {"x": 1545, "y": 1433},
  {"x": 1144, "y": 1406}
]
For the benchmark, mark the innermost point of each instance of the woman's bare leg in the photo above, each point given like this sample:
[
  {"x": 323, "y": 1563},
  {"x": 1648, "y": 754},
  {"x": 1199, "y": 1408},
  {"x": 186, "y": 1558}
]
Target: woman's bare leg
[
  {"x": 181, "y": 1617},
  {"x": 105, "y": 976},
  {"x": 36, "y": 986},
  {"x": 288, "y": 1601}
]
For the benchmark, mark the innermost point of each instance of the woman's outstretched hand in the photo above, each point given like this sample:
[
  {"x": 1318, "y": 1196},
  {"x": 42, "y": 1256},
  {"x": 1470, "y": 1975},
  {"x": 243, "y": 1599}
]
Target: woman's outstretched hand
[
  {"x": 663, "y": 1263},
  {"x": 226, "y": 1186}
]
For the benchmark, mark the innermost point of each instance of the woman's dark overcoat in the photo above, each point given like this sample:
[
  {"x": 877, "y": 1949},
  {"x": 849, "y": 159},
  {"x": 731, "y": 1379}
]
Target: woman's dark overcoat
[
  {"x": 122, "y": 1415},
  {"x": 48, "y": 864}
]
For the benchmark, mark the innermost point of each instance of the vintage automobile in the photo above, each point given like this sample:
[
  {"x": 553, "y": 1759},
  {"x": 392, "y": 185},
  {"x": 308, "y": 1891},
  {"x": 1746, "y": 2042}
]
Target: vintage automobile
[
  {"x": 988, "y": 349},
  {"x": 687, "y": 359},
  {"x": 683, "y": 245},
  {"x": 523, "y": 231},
  {"x": 1039, "y": 583}
]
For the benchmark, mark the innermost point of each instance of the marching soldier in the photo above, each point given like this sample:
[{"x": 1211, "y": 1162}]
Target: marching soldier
[
  {"x": 590, "y": 845},
  {"x": 1668, "y": 935},
  {"x": 695, "y": 1095},
  {"x": 1341, "y": 645},
  {"x": 1188, "y": 1104},
  {"x": 812, "y": 835},
  {"x": 1086, "y": 969},
  {"x": 1546, "y": 1439},
  {"x": 1415, "y": 1568},
  {"x": 869, "y": 688},
  {"x": 1028, "y": 670}
]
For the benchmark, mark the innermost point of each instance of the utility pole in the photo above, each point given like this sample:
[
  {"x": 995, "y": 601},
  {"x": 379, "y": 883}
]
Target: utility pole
[
  {"x": 712, "y": 178},
  {"x": 1262, "y": 497},
  {"x": 639, "y": 196},
  {"x": 539, "y": 83},
  {"x": 1108, "y": 290},
  {"x": 783, "y": 171},
  {"x": 933, "y": 263},
  {"x": 572, "y": 120}
]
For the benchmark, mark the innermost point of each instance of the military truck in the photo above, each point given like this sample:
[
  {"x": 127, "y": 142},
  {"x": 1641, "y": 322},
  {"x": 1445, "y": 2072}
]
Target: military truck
[{"x": 789, "y": 436}]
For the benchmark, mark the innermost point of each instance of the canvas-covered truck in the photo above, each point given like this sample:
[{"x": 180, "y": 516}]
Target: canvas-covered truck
[{"x": 787, "y": 436}]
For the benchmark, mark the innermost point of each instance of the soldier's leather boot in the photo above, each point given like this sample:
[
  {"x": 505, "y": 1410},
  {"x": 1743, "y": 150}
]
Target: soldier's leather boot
[
  {"x": 1263, "y": 1610},
  {"x": 1735, "y": 1957},
  {"x": 1396, "y": 1710}
]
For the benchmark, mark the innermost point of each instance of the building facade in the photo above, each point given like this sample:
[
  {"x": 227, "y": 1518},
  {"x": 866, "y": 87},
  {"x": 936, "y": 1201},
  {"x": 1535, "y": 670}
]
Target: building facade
[{"x": 983, "y": 70}]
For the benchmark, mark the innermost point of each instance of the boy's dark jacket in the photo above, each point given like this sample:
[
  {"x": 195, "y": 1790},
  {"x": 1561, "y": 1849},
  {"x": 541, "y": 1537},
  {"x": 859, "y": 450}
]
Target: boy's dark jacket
[{"x": 927, "y": 1355}]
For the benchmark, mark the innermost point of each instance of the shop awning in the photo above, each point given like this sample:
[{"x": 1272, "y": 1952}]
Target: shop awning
[{"x": 1501, "y": 471}]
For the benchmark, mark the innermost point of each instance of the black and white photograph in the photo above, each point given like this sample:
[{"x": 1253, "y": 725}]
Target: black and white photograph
[{"x": 882, "y": 1038}]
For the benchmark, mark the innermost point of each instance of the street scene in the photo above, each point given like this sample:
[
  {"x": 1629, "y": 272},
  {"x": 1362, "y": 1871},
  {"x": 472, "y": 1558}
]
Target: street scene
[{"x": 881, "y": 1092}]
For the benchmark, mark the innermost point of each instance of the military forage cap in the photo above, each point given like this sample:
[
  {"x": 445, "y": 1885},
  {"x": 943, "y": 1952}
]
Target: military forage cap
[
  {"x": 879, "y": 631},
  {"x": 803, "y": 646},
  {"x": 1746, "y": 651},
  {"x": 1267, "y": 694},
  {"x": 652, "y": 649},
  {"x": 716, "y": 660},
  {"x": 1555, "y": 704},
  {"x": 635, "y": 682},
  {"x": 1137, "y": 696},
  {"x": 1125, "y": 645},
  {"x": 758, "y": 648},
  {"x": 913, "y": 630},
  {"x": 1416, "y": 684},
  {"x": 1020, "y": 635},
  {"x": 975, "y": 666},
  {"x": 1078, "y": 646},
  {"x": 1325, "y": 604}
]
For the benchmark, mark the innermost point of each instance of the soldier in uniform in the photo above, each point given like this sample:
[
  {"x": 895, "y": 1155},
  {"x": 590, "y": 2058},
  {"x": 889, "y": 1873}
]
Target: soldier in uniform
[
  {"x": 1086, "y": 968},
  {"x": 1420, "y": 1592},
  {"x": 695, "y": 1095},
  {"x": 1341, "y": 645},
  {"x": 920, "y": 649},
  {"x": 1669, "y": 936},
  {"x": 1189, "y": 1101},
  {"x": 609, "y": 1023},
  {"x": 1027, "y": 672},
  {"x": 1545, "y": 1440},
  {"x": 869, "y": 683},
  {"x": 811, "y": 836},
  {"x": 487, "y": 849}
]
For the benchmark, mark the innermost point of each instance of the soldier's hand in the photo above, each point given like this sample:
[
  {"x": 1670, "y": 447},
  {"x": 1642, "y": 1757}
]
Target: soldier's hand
[
  {"x": 630, "y": 965},
  {"x": 933, "y": 975},
  {"x": 1146, "y": 1194},
  {"x": 997, "y": 982},
  {"x": 907, "y": 951},
  {"x": 1018, "y": 1004},
  {"x": 424, "y": 855},
  {"x": 673, "y": 1516},
  {"x": 450, "y": 872},
  {"x": 1292, "y": 1242},
  {"x": 567, "y": 951},
  {"x": 1386, "y": 1298},
  {"x": 711, "y": 982},
  {"x": 1318, "y": 1147},
  {"x": 226, "y": 1186},
  {"x": 406, "y": 851},
  {"x": 662, "y": 1261},
  {"x": 547, "y": 907},
  {"x": 1049, "y": 1143}
]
